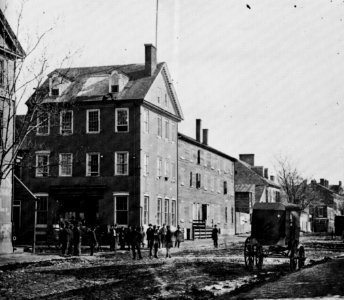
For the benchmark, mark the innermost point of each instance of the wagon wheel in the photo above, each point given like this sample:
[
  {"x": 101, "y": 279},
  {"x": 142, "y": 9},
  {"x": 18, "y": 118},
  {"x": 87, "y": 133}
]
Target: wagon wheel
[
  {"x": 293, "y": 258},
  {"x": 248, "y": 254},
  {"x": 259, "y": 257},
  {"x": 302, "y": 257}
]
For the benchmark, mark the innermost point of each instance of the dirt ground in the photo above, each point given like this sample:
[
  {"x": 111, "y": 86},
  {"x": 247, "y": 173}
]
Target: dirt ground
[{"x": 195, "y": 271}]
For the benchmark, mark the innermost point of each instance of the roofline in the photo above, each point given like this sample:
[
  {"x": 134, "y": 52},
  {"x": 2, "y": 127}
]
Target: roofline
[
  {"x": 206, "y": 147},
  {"x": 20, "y": 51}
]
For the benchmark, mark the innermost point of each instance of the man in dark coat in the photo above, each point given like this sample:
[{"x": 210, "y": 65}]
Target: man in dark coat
[
  {"x": 215, "y": 236},
  {"x": 150, "y": 239},
  {"x": 179, "y": 236},
  {"x": 69, "y": 239},
  {"x": 168, "y": 241},
  {"x": 135, "y": 239},
  {"x": 92, "y": 239},
  {"x": 63, "y": 238},
  {"x": 156, "y": 241}
]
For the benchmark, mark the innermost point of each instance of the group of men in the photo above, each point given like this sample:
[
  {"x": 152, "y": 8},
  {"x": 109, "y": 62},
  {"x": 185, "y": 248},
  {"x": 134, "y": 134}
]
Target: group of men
[{"x": 70, "y": 238}]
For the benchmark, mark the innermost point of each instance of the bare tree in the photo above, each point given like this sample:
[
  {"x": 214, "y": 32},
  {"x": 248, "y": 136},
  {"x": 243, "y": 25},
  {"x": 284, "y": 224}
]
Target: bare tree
[{"x": 294, "y": 185}]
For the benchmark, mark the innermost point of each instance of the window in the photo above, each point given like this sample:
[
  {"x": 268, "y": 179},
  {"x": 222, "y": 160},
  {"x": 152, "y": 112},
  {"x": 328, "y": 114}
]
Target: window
[
  {"x": 42, "y": 164},
  {"x": 226, "y": 214},
  {"x": 93, "y": 121},
  {"x": 55, "y": 92},
  {"x": 121, "y": 210},
  {"x": 167, "y": 169},
  {"x": 159, "y": 126},
  {"x": 173, "y": 132},
  {"x": 146, "y": 210},
  {"x": 173, "y": 214},
  {"x": 232, "y": 214},
  {"x": 66, "y": 122},
  {"x": 320, "y": 212},
  {"x": 114, "y": 88},
  {"x": 173, "y": 171},
  {"x": 198, "y": 157},
  {"x": 159, "y": 212},
  {"x": 121, "y": 161},
  {"x": 42, "y": 210},
  {"x": 122, "y": 119},
  {"x": 2, "y": 72},
  {"x": 43, "y": 124},
  {"x": 145, "y": 164},
  {"x": 167, "y": 129},
  {"x": 146, "y": 120},
  {"x": 225, "y": 187},
  {"x": 190, "y": 179},
  {"x": 205, "y": 178},
  {"x": 65, "y": 164},
  {"x": 198, "y": 180},
  {"x": 166, "y": 211},
  {"x": 159, "y": 166},
  {"x": 92, "y": 164}
]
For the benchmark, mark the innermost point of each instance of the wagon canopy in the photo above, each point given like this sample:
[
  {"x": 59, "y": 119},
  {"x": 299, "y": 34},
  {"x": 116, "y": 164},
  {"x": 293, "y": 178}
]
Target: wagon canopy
[{"x": 269, "y": 221}]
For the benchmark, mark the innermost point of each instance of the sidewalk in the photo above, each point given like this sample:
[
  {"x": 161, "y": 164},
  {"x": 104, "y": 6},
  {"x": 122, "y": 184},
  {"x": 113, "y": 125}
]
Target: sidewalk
[{"x": 20, "y": 257}]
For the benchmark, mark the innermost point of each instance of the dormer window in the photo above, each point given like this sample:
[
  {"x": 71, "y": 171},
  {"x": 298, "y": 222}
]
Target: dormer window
[
  {"x": 54, "y": 92},
  {"x": 114, "y": 88}
]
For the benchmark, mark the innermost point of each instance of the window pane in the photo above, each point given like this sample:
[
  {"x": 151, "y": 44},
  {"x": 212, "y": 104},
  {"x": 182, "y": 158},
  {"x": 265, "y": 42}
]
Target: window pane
[
  {"x": 122, "y": 163},
  {"x": 122, "y": 120},
  {"x": 66, "y": 122},
  {"x": 93, "y": 121}
]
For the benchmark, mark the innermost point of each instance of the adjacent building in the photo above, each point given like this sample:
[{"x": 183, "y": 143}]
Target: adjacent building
[
  {"x": 107, "y": 150},
  {"x": 252, "y": 185},
  {"x": 10, "y": 52},
  {"x": 206, "y": 186}
]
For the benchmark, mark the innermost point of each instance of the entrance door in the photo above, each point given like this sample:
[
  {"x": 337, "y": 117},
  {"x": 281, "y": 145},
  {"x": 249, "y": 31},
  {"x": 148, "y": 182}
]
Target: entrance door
[{"x": 204, "y": 212}]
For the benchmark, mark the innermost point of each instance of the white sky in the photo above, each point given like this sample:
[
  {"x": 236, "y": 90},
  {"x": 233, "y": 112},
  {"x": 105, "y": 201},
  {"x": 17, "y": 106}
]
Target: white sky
[{"x": 265, "y": 80}]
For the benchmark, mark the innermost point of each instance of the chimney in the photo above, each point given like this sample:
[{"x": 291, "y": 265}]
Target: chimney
[
  {"x": 247, "y": 158},
  {"x": 150, "y": 59},
  {"x": 266, "y": 173},
  {"x": 272, "y": 178},
  {"x": 326, "y": 183},
  {"x": 322, "y": 181},
  {"x": 205, "y": 136},
  {"x": 198, "y": 130},
  {"x": 340, "y": 184},
  {"x": 259, "y": 170}
]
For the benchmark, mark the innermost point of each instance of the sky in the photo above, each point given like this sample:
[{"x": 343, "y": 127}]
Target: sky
[{"x": 266, "y": 77}]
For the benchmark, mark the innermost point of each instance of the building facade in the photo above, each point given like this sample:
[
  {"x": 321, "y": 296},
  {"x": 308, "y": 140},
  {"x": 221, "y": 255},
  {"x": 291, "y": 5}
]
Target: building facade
[
  {"x": 107, "y": 151},
  {"x": 10, "y": 52},
  {"x": 252, "y": 185},
  {"x": 206, "y": 187}
]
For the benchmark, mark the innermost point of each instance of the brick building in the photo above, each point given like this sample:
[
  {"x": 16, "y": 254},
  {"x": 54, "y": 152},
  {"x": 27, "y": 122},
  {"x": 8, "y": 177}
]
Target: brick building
[
  {"x": 206, "y": 186},
  {"x": 326, "y": 203},
  {"x": 252, "y": 185},
  {"x": 10, "y": 51},
  {"x": 107, "y": 152}
]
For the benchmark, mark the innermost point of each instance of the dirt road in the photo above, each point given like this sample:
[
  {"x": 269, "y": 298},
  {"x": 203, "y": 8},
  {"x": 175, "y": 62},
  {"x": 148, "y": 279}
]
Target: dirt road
[{"x": 195, "y": 271}]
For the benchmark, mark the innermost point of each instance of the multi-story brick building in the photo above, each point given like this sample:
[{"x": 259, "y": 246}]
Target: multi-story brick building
[
  {"x": 252, "y": 185},
  {"x": 206, "y": 186},
  {"x": 107, "y": 153},
  {"x": 327, "y": 202},
  {"x": 10, "y": 51}
]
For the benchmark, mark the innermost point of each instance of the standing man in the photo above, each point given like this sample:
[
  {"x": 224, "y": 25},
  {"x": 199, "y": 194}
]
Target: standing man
[
  {"x": 150, "y": 239},
  {"x": 178, "y": 235},
  {"x": 163, "y": 232},
  {"x": 92, "y": 239},
  {"x": 215, "y": 236},
  {"x": 77, "y": 239},
  {"x": 63, "y": 238},
  {"x": 156, "y": 241},
  {"x": 136, "y": 239},
  {"x": 168, "y": 241}
]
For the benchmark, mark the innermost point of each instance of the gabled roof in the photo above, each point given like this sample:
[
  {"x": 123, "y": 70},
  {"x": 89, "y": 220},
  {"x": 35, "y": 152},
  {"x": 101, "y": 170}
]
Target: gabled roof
[
  {"x": 10, "y": 38},
  {"x": 206, "y": 147},
  {"x": 92, "y": 84},
  {"x": 262, "y": 178}
]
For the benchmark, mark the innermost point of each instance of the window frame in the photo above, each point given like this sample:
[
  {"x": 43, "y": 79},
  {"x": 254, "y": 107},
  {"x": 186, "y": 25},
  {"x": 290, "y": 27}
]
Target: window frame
[
  {"x": 40, "y": 197},
  {"x": 88, "y": 172},
  {"x": 145, "y": 220},
  {"x": 62, "y": 113},
  {"x": 115, "y": 196},
  {"x": 60, "y": 165},
  {"x": 125, "y": 163},
  {"x": 146, "y": 120},
  {"x": 43, "y": 154},
  {"x": 225, "y": 187},
  {"x": 166, "y": 212},
  {"x": 40, "y": 126},
  {"x": 88, "y": 111},
  {"x": 126, "y": 109},
  {"x": 159, "y": 127},
  {"x": 159, "y": 167},
  {"x": 159, "y": 211},
  {"x": 174, "y": 212},
  {"x": 167, "y": 129},
  {"x": 145, "y": 164}
]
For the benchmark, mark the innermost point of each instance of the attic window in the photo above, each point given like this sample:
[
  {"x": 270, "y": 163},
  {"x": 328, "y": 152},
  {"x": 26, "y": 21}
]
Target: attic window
[
  {"x": 114, "y": 88},
  {"x": 54, "y": 92}
]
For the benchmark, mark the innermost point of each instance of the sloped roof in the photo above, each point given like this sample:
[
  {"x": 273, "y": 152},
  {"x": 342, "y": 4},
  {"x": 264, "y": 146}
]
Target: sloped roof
[
  {"x": 244, "y": 187},
  {"x": 9, "y": 36},
  {"x": 92, "y": 83},
  {"x": 265, "y": 180}
]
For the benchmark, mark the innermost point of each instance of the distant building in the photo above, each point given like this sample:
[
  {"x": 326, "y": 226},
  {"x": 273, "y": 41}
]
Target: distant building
[
  {"x": 252, "y": 185},
  {"x": 107, "y": 152},
  {"x": 206, "y": 186},
  {"x": 10, "y": 51},
  {"x": 326, "y": 203}
]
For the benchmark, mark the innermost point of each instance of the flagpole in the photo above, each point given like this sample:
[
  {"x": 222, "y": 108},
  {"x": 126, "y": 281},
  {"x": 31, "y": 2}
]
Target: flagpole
[{"x": 156, "y": 24}]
